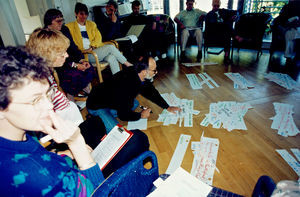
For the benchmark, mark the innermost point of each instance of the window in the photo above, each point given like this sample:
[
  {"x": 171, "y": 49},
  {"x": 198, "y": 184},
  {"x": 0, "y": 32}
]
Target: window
[{"x": 268, "y": 6}]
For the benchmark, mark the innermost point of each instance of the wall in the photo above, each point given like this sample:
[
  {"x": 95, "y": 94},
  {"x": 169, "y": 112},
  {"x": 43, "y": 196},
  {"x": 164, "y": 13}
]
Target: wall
[
  {"x": 10, "y": 25},
  {"x": 29, "y": 22}
]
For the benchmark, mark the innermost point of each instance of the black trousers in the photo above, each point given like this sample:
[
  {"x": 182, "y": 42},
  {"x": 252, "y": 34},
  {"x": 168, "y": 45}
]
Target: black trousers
[{"x": 93, "y": 130}]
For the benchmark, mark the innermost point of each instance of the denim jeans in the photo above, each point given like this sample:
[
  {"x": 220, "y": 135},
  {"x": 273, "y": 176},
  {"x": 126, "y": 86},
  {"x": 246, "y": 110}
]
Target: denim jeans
[
  {"x": 109, "y": 116},
  {"x": 264, "y": 187}
]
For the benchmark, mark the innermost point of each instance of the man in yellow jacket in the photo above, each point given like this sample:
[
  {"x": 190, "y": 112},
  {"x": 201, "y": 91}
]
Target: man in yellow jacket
[{"x": 87, "y": 37}]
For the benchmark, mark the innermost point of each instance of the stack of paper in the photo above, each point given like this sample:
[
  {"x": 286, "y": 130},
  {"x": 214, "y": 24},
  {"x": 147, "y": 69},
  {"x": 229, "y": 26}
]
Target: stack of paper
[
  {"x": 228, "y": 114},
  {"x": 205, "y": 157},
  {"x": 283, "y": 120},
  {"x": 239, "y": 82},
  {"x": 180, "y": 184},
  {"x": 283, "y": 80},
  {"x": 186, "y": 114}
]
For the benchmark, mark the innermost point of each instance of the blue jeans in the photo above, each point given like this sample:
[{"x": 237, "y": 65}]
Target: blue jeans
[
  {"x": 264, "y": 187},
  {"x": 109, "y": 116}
]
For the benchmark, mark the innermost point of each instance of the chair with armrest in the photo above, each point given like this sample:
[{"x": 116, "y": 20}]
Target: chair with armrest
[
  {"x": 218, "y": 34},
  {"x": 100, "y": 65},
  {"x": 131, "y": 180},
  {"x": 164, "y": 32},
  {"x": 250, "y": 28}
]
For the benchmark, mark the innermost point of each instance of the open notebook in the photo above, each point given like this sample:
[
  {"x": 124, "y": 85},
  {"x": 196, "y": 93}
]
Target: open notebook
[{"x": 133, "y": 33}]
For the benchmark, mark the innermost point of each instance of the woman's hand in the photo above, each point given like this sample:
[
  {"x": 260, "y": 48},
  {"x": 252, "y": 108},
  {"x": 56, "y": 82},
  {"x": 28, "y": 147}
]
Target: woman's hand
[
  {"x": 83, "y": 66},
  {"x": 61, "y": 131}
]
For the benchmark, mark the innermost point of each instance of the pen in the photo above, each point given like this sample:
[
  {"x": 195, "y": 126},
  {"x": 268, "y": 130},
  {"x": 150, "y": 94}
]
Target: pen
[{"x": 144, "y": 108}]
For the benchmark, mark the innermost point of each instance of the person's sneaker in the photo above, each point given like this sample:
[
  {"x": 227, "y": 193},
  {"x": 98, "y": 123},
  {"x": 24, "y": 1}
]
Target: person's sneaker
[{"x": 199, "y": 56}]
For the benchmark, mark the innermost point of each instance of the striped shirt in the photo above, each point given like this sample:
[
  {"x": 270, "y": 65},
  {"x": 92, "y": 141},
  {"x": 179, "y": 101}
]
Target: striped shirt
[{"x": 60, "y": 101}]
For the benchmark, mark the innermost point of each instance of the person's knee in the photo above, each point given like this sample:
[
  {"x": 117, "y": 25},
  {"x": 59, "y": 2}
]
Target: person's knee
[
  {"x": 185, "y": 33},
  {"x": 140, "y": 140},
  {"x": 198, "y": 33}
]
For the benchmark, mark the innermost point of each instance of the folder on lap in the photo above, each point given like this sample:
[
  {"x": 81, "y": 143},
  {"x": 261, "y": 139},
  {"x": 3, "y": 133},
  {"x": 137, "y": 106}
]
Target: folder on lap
[
  {"x": 111, "y": 145},
  {"x": 133, "y": 33}
]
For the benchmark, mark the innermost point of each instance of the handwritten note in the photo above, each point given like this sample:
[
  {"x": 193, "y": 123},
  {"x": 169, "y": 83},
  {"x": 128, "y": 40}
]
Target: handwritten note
[
  {"x": 239, "y": 81},
  {"x": 290, "y": 160},
  {"x": 194, "y": 81},
  {"x": 185, "y": 116},
  {"x": 283, "y": 120},
  {"x": 226, "y": 114},
  {"x": 283, "y": 80},
  {"x": 204, "y": 163}
]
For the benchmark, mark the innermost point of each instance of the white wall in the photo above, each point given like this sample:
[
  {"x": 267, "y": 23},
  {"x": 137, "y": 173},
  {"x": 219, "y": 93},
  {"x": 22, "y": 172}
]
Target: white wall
[
  {"x": 10, "y": 25},
  {"x": 29, "y": 23}
]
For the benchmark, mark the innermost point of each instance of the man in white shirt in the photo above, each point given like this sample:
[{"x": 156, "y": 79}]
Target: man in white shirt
[{"x": 188, "y": 22}]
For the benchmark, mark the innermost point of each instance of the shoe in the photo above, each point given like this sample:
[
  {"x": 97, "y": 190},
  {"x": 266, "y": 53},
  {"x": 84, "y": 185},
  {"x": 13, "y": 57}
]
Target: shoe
[{"x": 199, "y": 56}]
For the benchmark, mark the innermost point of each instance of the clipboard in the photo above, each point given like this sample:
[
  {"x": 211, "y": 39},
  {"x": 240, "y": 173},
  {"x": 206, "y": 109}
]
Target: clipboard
[{"x": 111, "y": 145}]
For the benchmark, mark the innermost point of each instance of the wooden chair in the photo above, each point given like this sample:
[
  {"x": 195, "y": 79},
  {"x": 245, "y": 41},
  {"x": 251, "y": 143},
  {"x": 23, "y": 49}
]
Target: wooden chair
[{"x": 101, "y": 65}]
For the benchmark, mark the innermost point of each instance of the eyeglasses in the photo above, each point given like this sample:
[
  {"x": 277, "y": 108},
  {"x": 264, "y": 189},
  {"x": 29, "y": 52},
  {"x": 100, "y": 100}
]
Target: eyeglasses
[
  {"x": 154, "y": 71},
  {"x": 49, "y": 95},
  {"x": 59, "y": 20}
]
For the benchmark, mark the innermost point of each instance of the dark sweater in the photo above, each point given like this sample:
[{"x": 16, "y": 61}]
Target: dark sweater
[
  {"x": 108, "y": 29},
  {"x": 119, "y": 93},
  {"x": 28, "y": 169}
]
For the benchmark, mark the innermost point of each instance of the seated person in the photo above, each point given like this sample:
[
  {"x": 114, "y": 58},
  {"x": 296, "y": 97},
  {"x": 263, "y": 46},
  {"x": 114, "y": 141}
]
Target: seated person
[
  {"x": 108, "y": 22},
  {"x": 135, "y": 18},
  {"x": 145, "y": 40},
  {"x": 88, "y": 38},
  {"x": 27, "y": 169},
  {"x": 39, "y": 43},
  {"x": 287, "y": 24},
  {"x": 116, "y": 97},
  {"x": 218, "y": 24},
  {"x": 188, "y": 21},
  {"x": 76, "y": 73}
]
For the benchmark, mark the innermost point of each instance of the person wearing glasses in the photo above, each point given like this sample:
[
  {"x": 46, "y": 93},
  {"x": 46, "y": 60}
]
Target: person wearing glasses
[
  {"x": 27, "y": 168},
  {"x": 117, "y": 97},
  {"x": 76, "y": 73},
  {"x": 52, "y": 46}
]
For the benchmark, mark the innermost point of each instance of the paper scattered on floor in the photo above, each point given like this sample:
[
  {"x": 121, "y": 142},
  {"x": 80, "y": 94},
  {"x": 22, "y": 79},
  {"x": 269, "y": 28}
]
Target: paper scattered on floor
[
  {"x": 181, "y": 184},
  {"x": 296, "y": 152},
  {"x": 199, "y": 64},
  {"x": 228, "y": 114},
  {"x": 293, "y": 163},
  {"x": 283, "y": 80},
  {"x": 239, "y": 82},
  {"x": 205, "y": 157},
  {"x": 283, "y": 120},
  {"x": 194, "y": 82},
  {"x": 178, "y": 153},
  {"x": 140, "y": 124},
  {"x": 197, "y": 84},
  {"x": 186, "y": 114}
]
